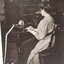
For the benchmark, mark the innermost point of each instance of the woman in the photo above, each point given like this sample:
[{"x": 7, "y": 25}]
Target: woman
[{"x": 45, "y": 26}]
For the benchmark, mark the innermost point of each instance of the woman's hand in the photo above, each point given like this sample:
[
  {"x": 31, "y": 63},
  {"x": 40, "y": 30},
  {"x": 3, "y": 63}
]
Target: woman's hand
[{"x": 30, "y": 29}]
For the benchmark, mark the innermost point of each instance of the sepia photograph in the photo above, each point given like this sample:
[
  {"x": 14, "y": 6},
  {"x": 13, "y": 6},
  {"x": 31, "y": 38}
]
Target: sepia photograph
[{"x": 31, "y": 31}]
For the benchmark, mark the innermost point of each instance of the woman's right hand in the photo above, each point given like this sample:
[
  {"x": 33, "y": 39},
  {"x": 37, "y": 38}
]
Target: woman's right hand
[{"x": 29, "y": 29}]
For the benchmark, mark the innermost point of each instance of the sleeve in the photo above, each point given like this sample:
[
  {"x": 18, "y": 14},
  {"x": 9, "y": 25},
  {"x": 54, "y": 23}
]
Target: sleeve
[{"x": 42, "y": 29}]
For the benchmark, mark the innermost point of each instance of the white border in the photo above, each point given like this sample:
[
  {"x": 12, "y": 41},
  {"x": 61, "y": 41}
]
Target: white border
[{"x": 1, "y": 54}]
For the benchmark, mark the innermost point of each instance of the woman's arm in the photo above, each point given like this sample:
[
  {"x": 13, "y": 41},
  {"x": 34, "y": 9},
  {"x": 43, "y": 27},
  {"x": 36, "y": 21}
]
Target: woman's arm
[{"x": 32, "y": 30}]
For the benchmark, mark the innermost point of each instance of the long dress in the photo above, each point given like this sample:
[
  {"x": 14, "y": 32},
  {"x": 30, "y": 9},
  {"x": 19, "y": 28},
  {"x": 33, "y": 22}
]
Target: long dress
[{"x": 44, "y": 27}]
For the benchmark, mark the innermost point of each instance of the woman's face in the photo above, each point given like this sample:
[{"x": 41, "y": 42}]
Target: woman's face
[{"x": 42, "y": 12}]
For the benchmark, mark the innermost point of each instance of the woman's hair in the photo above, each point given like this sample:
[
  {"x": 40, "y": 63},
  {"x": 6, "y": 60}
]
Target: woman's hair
[{"x": 47, "y": 9}]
